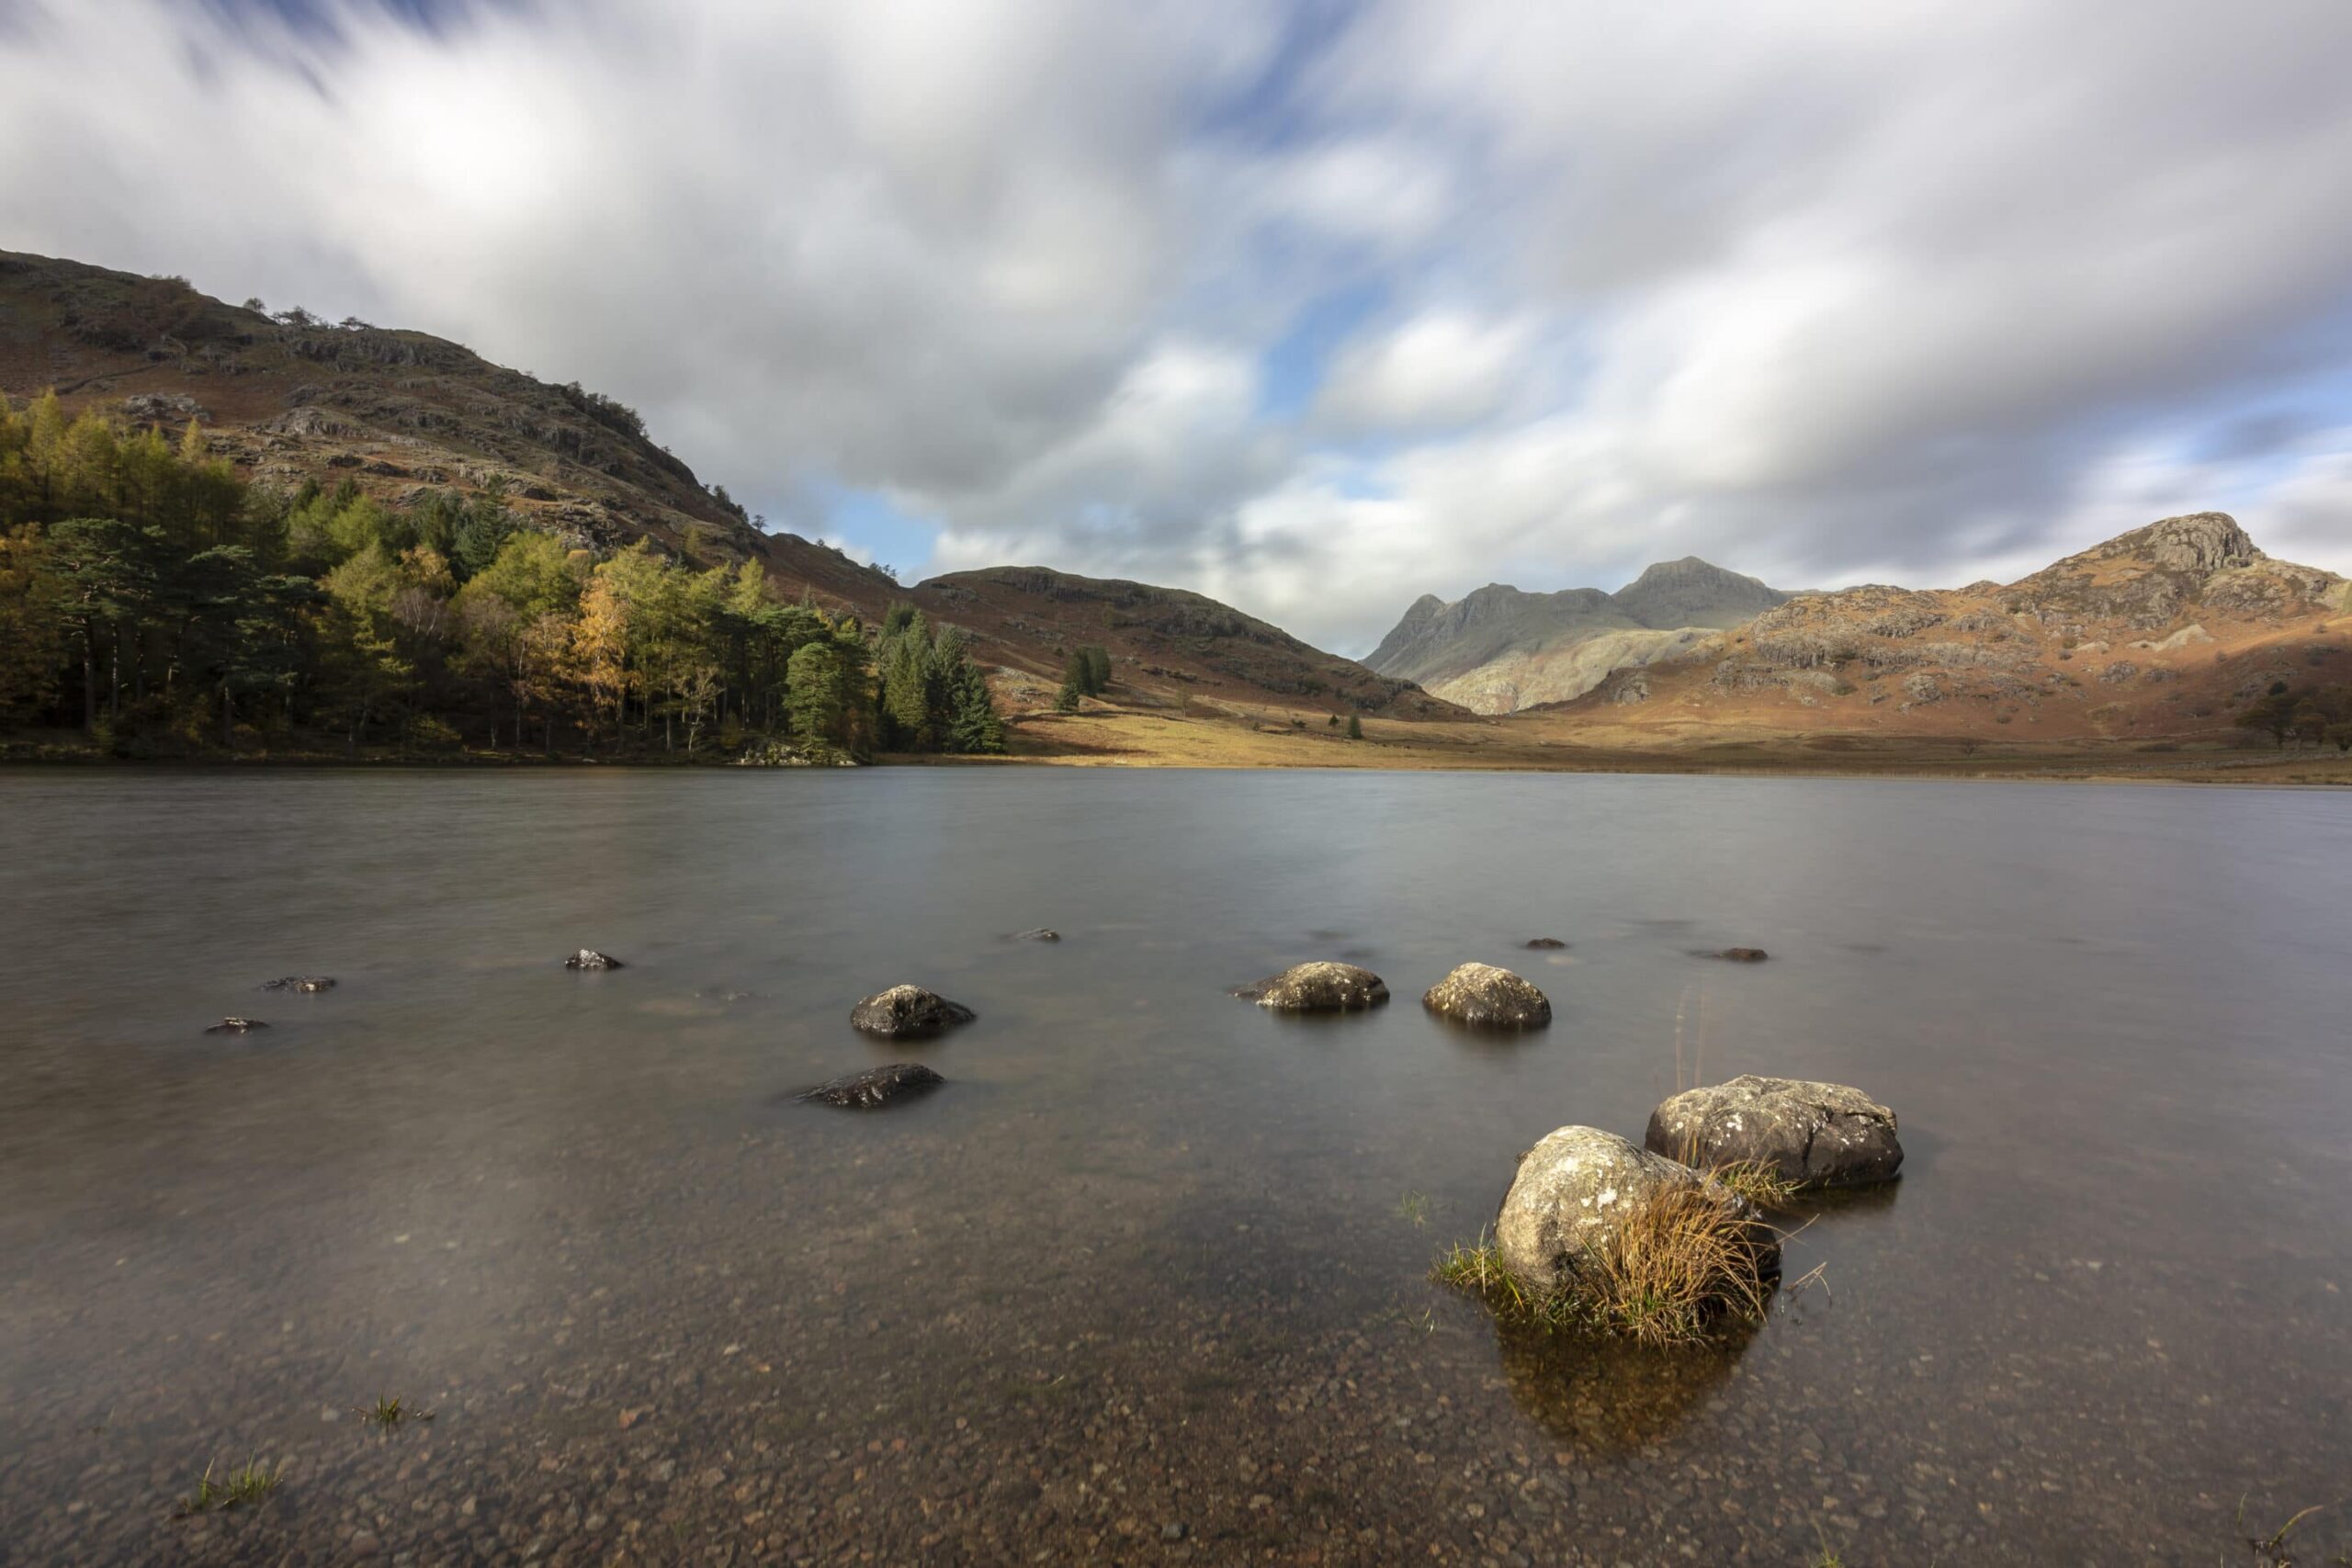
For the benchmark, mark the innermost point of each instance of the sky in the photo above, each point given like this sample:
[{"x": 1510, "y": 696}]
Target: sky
[{"x": 1313, "y": 308}]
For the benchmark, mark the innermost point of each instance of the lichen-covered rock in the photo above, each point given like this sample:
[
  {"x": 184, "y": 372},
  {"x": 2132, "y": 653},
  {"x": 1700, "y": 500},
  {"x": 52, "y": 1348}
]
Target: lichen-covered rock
[
  {"x": 874, "y": 1088},
  {"x": 1573, "y": 1190},
  {"x": 907, "y": 1010},
  {"x": 589, "y": 958},
  {"x": 300, "y": 983},
  {"x": 236, "y": 1026},
  {"x": 1813, "y": 1135},
  {"x": 1319, "y": 988},
  {"x": 1487, "y": 997}
]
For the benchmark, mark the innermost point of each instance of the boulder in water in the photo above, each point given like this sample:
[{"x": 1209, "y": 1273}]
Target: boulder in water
[
  {"x": 907, "y": 1010},
  {"x": 1487, "y": 997},
  {"x": 1320, "y": 987},
  {"x": 589, "y": 958},
  {"x": 874, "y": 1088},
  {"x": 236, "y": 1026},
  {"x": 1740, "y": 954},
  {"x": 300, "y": 983},
  {"x": 1809, "y": 1134},
  {"x": 1573, "y": 1192},
  {"x": 1544, "y": 943}
]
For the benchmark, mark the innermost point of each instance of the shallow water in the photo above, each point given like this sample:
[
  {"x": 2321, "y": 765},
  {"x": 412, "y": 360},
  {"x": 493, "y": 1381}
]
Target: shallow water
[{"x": 1146, "y": 1280}]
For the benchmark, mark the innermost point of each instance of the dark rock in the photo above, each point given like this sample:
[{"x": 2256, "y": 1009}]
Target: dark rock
[
  {"x": 1320, "y": 987},
  {"x": 236, "y": 1026},
  {"x": 1040, "y": 933},
  {"x": 1814, "y": 1134},
  {"x": 300, "y": 983},
  {"x": 1544, "y": 943},
  {"x": 873, "y": 1088},
  {"x": 904, "y": 1011},
  {"x": 1573, "y": 1190},
  {"x": 1740, "y": 954},
  {"x": 589, "y": 958},
  {"x": 1489, "y": 998}
]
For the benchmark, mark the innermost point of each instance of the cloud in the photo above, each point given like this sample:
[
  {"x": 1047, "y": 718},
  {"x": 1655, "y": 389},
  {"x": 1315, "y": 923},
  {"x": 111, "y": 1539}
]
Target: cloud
[{"x": 1824, "y": 290}]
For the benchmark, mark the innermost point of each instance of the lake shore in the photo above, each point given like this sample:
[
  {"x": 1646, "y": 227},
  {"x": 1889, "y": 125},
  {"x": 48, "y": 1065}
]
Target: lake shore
[{"x": 1109, "y": 736}]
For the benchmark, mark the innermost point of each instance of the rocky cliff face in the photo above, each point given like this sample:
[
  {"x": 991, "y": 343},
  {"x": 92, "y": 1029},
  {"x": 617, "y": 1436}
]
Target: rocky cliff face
[{"x": 1499, "y": 649}]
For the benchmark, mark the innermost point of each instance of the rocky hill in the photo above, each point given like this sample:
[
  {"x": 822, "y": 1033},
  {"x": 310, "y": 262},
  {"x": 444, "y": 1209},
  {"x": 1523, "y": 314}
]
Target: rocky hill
[
  {"x": 290, "y": 398},
  {"x": 2161, "y": 635},
  {"x": 1499, "y": 649},
  {"x": 1167, "y": 646}
]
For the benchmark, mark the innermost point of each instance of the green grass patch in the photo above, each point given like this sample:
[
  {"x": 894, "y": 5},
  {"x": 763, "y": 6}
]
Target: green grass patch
[
  {"x": 390, "y": 1411},
  {"x": 241, "y": 1488}
]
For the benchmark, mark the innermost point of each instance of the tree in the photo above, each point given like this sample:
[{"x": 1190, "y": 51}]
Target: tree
[
  {"x": 2274, "y": 714},
  {"x": 1098, "y": 668},
  {"x": 1067, "y": 699},
  {"x": 32, "y": 629},
  {"x": 1355, "y": 727},
  {"x": 817, "y": 692}
]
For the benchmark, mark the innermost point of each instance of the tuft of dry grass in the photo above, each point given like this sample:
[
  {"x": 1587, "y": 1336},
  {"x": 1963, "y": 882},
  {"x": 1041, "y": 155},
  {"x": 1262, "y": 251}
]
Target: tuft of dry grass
[{"x": 1679, "y": 1266}]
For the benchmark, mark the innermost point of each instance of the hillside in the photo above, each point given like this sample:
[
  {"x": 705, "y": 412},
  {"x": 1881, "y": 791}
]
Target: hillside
[
  {"x": 290, "y": 398},
  {"x": 2162, "y": 635},
  {"x": 1168, "y": 647},
  {"x": 1499, "y": 649}
]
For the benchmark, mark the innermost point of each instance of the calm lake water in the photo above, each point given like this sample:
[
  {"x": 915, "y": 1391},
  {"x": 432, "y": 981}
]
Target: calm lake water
[{"x": 1146, "y": 1280}]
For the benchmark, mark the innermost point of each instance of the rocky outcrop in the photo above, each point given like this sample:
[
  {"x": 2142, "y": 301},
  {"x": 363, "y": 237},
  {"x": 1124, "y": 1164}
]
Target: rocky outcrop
[
  {"x": 300, "y": 983},
  {"x": 1810, "y": 1134},
  {"x": 589, "y": 958},
  {"x": 908, "y": 1011},
  {"x": 1486, "y": 997},
  {"x": 1319, "y": 988},
  {"x": 874, "y": 1088},
  {"x": 1573, "y": 1192}
]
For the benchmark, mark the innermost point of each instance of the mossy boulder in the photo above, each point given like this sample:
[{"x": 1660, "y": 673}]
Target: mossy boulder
[
  {"x": 1486, "y": 997},
  {"x": 1807, "y": 1133},
  {"x": 1319, "y": 988},
  {"x": 905, "y": 1012}
]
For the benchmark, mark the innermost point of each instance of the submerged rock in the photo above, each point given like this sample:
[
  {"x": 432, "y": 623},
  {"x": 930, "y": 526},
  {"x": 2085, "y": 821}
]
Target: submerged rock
[
  {"x": 236, "y": 1026},
  {"x": 1544, "y": 943},
  {"x": 874, "y": 1088},
  {"x": 1573, "y": 1189},
  {"x": 1320, "y": 987},
  {"x": 1740, "y": 954},
  {"x": 1040, "y": 933},
  {"x": 904, "y": 1011},
  {"x": 1489, "y": 998},
  {"x": 589, "y": 958},
  {"x": 1813, "y": 1135},
  {"x": 300, "y": 983}
]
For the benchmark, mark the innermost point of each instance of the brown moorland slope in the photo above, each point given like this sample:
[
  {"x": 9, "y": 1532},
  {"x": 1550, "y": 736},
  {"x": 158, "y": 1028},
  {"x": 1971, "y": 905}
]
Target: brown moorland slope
[
  {"x": 2160, "y": 636},
  {"x": 289, "y": 399}
]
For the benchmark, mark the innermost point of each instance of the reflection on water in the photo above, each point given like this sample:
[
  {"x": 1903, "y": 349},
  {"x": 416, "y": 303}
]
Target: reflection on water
[{"x": 1144, "y": 1263}]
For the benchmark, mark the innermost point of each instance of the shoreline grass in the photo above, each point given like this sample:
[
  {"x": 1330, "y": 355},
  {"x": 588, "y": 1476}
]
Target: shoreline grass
[{"x": 241, "y": 1488}]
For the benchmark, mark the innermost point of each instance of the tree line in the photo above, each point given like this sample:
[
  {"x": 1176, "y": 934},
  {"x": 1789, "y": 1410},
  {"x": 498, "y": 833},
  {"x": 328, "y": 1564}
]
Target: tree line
[
  {"x": 151, "y": 597},
  {"x": 2315, "y": 715}
]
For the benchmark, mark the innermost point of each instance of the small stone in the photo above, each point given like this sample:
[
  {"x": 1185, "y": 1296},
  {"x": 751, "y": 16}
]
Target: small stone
[
  {"x": 871, "y": 1090},
  {"x": 300, "y": 983},
  {"x": 589, "y": 958},
  {"x": 1171, "y": 1531},
  {"x": 905, "y": 1011},
  {"x": 1544, "y": 943},
  {"x": 1742, "y": 954},
  {"x": 1039, "y": 933},
  {"x": 365, "y": 1544},
  {"x": 236, "y": 1026}
]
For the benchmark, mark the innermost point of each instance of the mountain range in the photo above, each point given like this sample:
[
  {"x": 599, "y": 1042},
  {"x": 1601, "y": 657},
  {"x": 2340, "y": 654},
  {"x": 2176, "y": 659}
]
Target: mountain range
[{"x": 2157, "y": 638}]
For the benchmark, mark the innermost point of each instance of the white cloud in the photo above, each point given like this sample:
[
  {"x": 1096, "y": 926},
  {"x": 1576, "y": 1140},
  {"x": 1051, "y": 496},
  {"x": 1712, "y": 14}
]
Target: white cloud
[{"x": 1820, "y": 288}]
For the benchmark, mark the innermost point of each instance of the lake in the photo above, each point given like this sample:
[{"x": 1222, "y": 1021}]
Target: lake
[{"x": 1147, "y": 1279}]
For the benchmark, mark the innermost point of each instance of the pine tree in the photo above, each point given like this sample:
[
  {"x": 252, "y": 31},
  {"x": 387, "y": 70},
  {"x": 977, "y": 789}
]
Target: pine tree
[
  {"x": 1066, "y": 700},
  {"x": 1355, "y": 727}
]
